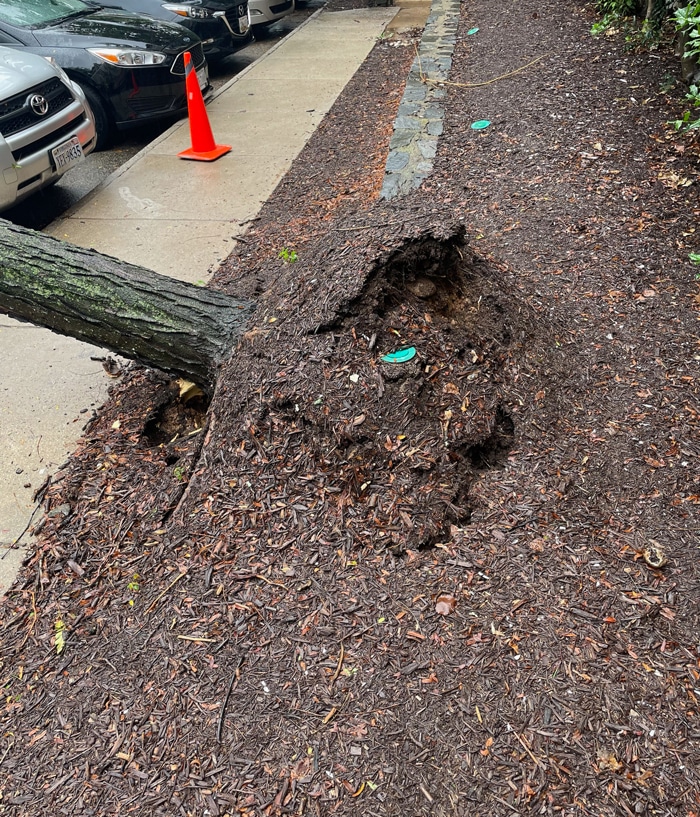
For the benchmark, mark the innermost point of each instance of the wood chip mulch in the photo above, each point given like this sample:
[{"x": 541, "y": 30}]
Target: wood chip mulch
[{"x": 465, "y": 584}]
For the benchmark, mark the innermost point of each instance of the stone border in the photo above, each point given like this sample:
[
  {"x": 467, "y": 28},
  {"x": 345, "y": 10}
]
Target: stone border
[{"x": 420, "y": 116}]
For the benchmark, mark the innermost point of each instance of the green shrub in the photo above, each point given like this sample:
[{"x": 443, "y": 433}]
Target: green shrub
[
  {"x": 617, "y": 8},
  {"x": 687, "y": 122},
  {"x": 688, "y": 25}
]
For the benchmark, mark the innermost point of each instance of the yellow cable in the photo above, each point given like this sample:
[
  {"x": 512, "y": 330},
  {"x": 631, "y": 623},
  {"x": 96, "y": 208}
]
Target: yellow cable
[{"x": 480, "y": 84}]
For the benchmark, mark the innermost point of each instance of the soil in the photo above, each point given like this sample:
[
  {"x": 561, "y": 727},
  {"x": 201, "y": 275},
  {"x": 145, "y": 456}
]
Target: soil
[{"x": 464, "y": 584}]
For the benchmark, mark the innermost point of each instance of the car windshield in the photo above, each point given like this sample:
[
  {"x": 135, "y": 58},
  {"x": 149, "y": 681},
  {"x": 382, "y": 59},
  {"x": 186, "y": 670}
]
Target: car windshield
[{"x": 31, "y": 13}]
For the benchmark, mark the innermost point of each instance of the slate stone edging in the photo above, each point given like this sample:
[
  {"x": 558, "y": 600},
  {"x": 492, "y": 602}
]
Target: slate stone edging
[{"x": 419, "y": 119}]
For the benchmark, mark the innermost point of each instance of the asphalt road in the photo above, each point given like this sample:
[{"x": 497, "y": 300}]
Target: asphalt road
[{"x": 43, "y": 208}]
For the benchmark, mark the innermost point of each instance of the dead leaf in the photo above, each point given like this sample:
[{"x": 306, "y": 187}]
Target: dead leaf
[
  {"x": 607, "y": 762},
  {"x": 445, "y": 604},
  {"x": 359, "y": 730},
  {"x": 672, "y": 180},
  {"x": 487, "y": 746},
  {"x": 654, "y": 555},
  {"x": 60, "y": 638}
]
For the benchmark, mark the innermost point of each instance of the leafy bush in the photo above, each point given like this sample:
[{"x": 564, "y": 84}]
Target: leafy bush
[
  {"x": 652, "y": 12},
  {"x": 614, "y": 12},
  {"x": 617, "y": 8},
  {"x": 687, "y": 122},
  {"x": 688, "y": 25},
  {"x": 687, "y": 20}
]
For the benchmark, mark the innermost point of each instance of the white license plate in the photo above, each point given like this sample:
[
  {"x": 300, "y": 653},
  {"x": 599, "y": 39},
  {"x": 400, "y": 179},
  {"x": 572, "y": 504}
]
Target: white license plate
[
  {"x": 68, "y": 154},
  {"x": 243, "y": 24},
  {"x": 203, "y": 77}
]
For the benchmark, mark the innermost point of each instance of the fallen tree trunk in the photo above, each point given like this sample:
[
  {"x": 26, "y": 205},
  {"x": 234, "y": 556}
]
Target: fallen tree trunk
[{"x": 160, "y": 321}]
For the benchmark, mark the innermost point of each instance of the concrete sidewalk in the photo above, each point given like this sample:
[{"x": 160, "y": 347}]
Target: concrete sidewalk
[{"x": 179, "y": 218}]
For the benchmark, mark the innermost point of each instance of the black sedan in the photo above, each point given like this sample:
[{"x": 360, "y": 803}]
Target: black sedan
[
  {"x": 131, "y": 67},
  {"x": 223, "y": 26}
]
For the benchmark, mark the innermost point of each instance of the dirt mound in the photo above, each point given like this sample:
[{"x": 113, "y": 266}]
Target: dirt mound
[{"x": 387, "y": 450}]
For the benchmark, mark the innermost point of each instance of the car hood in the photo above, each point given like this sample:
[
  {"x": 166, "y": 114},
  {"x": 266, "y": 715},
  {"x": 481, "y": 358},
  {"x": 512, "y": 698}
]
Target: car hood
[
  {"x": 18, "y": 71},
  {"x": 115, "y": 29}
]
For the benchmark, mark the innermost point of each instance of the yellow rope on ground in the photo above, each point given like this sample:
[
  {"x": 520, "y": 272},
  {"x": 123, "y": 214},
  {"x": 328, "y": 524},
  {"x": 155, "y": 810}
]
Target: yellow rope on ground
[{"x": 478, "y": 84}]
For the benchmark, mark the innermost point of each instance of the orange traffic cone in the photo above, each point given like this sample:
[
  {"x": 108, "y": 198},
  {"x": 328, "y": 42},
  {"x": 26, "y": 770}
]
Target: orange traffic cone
[{"x": 204, "y": 148}]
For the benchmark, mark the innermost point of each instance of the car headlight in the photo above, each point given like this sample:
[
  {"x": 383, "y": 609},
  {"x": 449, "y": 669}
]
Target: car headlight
[
  {"x": 186, "y": 10},
  {"x": 58, "y": 68},
  {"x": 127, "y": 57}
]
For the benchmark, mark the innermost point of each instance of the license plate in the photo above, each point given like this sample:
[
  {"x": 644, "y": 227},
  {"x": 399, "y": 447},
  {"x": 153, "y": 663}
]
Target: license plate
[
  {"x": 68, "y": 154},
  {"x": 243, "y": 24},
  {"x": 203, "y": 77}
]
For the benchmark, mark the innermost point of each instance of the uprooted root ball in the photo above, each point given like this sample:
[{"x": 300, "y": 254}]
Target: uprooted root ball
[{"x": 343, "y": 443}]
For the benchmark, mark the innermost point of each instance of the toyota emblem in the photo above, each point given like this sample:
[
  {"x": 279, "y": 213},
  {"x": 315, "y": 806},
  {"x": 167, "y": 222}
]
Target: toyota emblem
[{"x": 38, "y": 104}]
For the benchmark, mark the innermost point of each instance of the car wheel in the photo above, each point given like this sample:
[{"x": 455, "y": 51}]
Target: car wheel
[{"x": 103, "y": 123}]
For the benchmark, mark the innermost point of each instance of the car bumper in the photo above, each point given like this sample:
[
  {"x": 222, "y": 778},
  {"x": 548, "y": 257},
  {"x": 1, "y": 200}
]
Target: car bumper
[
  {"x": 270, "y": 13},
  {"x": 26, "y": 163},
  {"x": 224, "y": 34},
  {"x": 141, "y": 95}
]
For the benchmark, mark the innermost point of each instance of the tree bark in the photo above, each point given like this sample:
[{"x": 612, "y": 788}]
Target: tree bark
[{"x": 162, "y": 322}]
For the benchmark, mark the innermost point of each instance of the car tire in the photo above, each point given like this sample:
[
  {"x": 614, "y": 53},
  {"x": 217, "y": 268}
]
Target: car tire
[{"x": 103, "y": 123}]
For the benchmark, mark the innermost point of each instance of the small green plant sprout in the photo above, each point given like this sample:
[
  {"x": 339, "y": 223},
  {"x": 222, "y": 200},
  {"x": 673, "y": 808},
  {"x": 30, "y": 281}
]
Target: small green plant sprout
[
  {"x": 179, "y": 473},
  {"x": 133, "y": 587},
  {"x": 288, "y": 256},
  {"x": 695, "y": 258}
]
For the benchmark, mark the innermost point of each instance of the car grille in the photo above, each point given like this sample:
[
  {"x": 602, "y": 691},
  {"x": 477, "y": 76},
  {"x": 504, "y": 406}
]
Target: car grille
[
  {"x": 16, "y": 114},
  {"x": 39, "y": 144},
  {"x": 234, "y": 14},
  {"x": 197, "y": 55}
]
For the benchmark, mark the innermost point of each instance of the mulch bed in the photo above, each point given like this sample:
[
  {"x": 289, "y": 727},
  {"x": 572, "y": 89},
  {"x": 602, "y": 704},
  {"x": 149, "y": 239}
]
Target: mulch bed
[{"x": 464, "y": 584}]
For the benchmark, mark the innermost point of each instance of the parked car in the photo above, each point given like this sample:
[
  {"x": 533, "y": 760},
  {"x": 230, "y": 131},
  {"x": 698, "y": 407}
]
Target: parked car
[
  {"x": 264, "y": 13},
  {"x": 130, "y": 67},
  {"x": 46, "y": 126},
  {"x": 223, "y": 26}
]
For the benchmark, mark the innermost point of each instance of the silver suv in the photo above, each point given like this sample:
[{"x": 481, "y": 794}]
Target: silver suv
[{"x": 46, "y": 125}]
